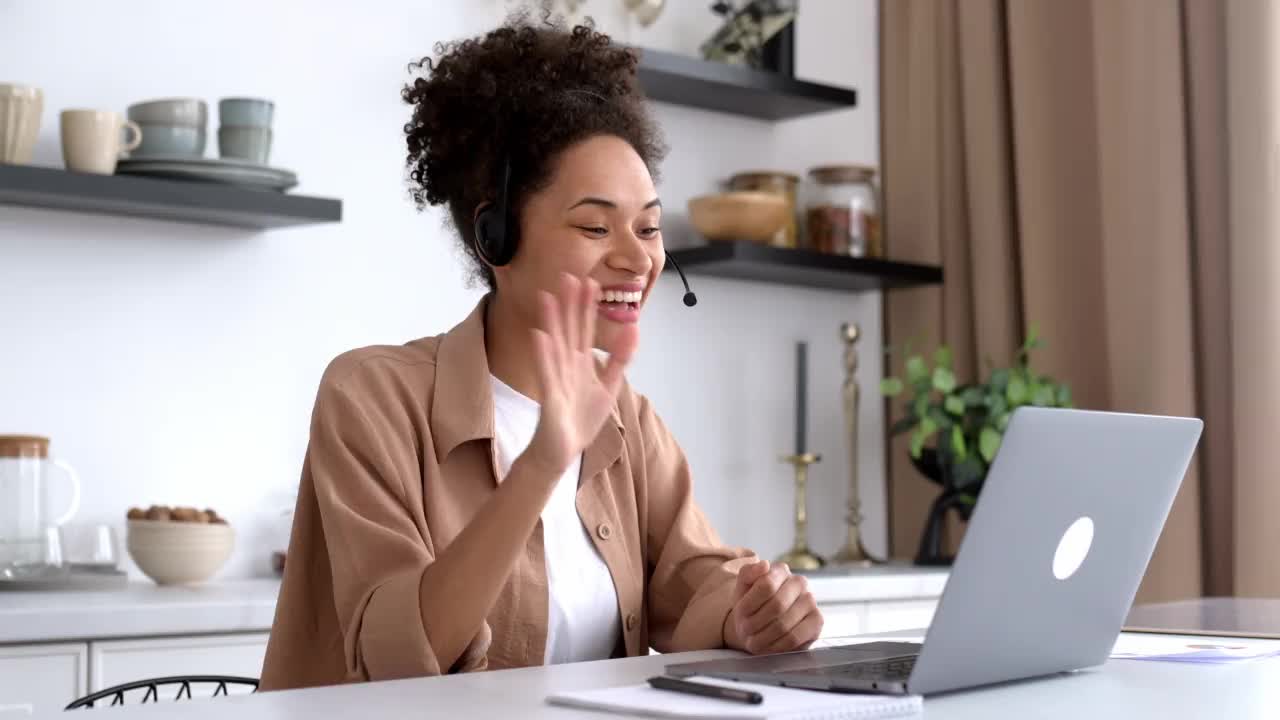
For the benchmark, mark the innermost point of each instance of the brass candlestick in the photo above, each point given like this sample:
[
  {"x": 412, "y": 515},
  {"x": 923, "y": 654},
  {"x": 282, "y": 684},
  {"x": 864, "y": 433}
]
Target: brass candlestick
[
  {"x": 853, "y": 552},
  {"x": 800, "y": 557}
]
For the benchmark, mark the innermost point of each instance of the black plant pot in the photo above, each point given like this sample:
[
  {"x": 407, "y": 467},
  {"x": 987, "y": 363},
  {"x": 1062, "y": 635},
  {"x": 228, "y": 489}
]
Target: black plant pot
[
  {"x": 931, "y": 465},
  {"x": 778, "y": 55}
]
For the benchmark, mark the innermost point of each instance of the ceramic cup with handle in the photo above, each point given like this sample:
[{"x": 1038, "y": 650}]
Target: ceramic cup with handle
[
  {"x": 170, "y": 127},
  {"x": 92, "y": 140},
  {"x": 20, "y": 109}
]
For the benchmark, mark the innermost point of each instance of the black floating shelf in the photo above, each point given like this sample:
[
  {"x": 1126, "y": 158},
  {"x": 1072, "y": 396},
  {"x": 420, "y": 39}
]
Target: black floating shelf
[
  {"x": 742, "y": 260},
  {"x": 683, "y": 80},
  {"x": 176, "y": 200}
]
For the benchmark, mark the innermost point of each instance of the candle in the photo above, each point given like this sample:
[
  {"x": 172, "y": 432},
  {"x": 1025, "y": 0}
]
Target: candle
[{"x": 802, "y": 391}]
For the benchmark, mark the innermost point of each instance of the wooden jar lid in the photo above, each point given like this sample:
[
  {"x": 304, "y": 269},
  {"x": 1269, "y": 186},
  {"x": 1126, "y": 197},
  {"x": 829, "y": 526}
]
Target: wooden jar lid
[{"x": 24, "y": 446}]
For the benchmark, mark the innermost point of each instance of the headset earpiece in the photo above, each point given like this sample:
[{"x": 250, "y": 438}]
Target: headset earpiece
[{"x": 495, "y": 234}]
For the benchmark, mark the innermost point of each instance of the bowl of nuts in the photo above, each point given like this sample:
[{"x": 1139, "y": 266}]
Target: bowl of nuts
[{"x": 178, "y": 545}]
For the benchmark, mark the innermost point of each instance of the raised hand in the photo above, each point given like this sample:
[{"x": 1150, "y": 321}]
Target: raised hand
[{"x": 577, "y": 393}]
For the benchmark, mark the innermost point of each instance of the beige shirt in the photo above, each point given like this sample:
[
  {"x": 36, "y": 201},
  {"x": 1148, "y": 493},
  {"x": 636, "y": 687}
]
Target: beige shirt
[{"x": 401, "y": 456}]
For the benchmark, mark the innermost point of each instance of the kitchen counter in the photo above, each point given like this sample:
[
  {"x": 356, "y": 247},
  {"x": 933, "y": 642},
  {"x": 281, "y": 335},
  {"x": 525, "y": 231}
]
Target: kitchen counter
[
  {"x": 230, "y": 606},
  {"x": 142, "y": 609},
  {"x": 877, "y": 583}
]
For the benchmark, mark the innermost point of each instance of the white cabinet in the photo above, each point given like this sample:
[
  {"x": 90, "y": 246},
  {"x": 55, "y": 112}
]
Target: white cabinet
[
  {"x": 876, "y": 616},
  {"x": 893, "y": 615},
  {"x": 41, "y": 678},
  {"x": 843, "y": 619},
  {"x": 116, "y": 662}
]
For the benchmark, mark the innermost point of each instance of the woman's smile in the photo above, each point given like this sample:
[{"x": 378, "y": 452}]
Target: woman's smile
[{"x": 621, "y": 303}]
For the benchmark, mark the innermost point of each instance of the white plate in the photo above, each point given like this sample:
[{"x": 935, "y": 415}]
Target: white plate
[{"x": 219, "y": 170}]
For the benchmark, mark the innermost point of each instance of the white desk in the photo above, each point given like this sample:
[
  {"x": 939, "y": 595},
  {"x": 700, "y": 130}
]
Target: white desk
[
  {"x": 58, "y": 646},
  {"x": 1128, "y": 689}
]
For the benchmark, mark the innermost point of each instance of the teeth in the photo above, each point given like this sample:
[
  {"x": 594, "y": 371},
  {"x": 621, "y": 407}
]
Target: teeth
[{"x": 617, "y": 296}]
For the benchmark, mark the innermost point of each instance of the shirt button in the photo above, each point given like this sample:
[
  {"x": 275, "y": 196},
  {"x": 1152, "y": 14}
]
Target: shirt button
[
  {"x": 632, "y": 620},
  {"x": 604, "y": 531}
]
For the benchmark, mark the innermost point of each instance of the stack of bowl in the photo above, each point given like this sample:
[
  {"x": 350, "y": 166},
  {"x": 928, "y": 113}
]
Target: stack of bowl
[
  {"x": 179, "y": 553},
  {"x": 171, "y": 128},
  {"x": 244, "y": 132}
]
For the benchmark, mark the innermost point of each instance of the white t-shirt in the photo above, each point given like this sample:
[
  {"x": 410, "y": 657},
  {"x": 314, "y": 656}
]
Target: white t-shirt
[{"x": 582, "y": 604}]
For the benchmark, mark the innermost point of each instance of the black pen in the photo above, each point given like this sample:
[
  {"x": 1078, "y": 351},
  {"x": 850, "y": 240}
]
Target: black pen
[{"x": 712, "y": 691}]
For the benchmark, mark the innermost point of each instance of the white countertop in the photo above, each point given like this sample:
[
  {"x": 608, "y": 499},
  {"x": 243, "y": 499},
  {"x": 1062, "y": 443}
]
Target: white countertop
[
  {"x": 139, "y": 610},
  {"x": 878, "y": 583},
  {"x": 1119, "y": 690},
  {"x": 144, "y": 609}
]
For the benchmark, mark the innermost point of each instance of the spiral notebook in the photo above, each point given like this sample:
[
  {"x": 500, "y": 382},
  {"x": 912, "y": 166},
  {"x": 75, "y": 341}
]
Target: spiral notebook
[{"x": 779, "y": 703}]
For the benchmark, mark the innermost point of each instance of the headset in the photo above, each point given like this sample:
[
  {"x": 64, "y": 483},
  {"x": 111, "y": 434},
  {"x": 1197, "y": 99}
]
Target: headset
[
  {"x": 495, "y": 232},
  {"x": 496, "y": 235}
]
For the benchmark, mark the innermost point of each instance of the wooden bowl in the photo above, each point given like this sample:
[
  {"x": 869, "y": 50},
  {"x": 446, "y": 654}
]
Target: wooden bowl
[{"x": 739, "y": 215}]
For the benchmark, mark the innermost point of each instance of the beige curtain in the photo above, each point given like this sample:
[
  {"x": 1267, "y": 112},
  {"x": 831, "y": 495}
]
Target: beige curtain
[
  {"x": 1250, "y": 516},
  {"x": 1065, "y": 162}
]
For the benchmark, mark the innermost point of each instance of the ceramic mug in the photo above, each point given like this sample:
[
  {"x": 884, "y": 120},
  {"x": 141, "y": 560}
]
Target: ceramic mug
[
  {"x": 20, "y": 109},
  {"x": 245, "y": 112},
  {"x": 91, "y": 140},
  {"x": 245, "y": 143}
]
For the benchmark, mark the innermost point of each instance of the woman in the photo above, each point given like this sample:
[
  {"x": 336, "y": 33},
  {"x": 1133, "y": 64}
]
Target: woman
[{"x": 497, "y": 496}]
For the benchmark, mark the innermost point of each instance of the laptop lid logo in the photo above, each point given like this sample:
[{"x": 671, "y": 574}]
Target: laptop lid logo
[{"x": 1073, "y": 548}]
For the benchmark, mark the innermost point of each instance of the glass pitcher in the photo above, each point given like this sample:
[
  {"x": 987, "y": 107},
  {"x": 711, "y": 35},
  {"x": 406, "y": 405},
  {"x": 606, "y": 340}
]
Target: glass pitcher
[{"x": 28, "y": 534}]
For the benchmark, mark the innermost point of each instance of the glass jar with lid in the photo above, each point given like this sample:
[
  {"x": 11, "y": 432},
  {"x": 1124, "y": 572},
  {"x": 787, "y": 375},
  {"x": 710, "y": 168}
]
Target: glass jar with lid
[
  {"x": 779, "y": 183},
  {"x": 842, "y": 212}
]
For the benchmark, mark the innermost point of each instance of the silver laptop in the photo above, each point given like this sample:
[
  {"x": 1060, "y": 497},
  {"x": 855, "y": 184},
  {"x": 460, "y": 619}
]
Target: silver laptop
[{"x": 1057, "y": 544}]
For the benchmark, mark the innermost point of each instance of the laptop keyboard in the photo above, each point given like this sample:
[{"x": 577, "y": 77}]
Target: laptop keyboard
[{"x": 891, "y": 669}]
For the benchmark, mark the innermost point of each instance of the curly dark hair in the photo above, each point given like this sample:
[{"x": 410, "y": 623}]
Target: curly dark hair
[{"x": 522, "y": 92}]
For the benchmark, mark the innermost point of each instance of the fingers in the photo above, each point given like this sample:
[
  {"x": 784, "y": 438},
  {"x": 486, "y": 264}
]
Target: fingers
[
  {"x": 775, "y": 608},
  {"x": 544, "y": 355},
  {"x": 551, "y": 328},
  {"x": 762, "y": 590},
  {"x": 800, "y": 636},
  {"x": 567, "y": 305},
  {"x": 569, "y": 317},
  {"x": 590, "y": 298},
  {"x": 767, "y": 630},
  {"x": 747, "y": 576}
]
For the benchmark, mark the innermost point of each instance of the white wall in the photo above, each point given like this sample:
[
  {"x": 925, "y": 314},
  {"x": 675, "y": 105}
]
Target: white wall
[{"x": 177, "y": 364}]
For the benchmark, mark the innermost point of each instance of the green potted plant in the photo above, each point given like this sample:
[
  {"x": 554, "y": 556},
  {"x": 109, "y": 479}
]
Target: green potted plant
[{"x": 956, "y": 429}]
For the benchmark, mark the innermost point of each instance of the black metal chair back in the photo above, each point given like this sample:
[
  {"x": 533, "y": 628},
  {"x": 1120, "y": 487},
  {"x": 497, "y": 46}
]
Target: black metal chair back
[{"x": 152, "y": 688}]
